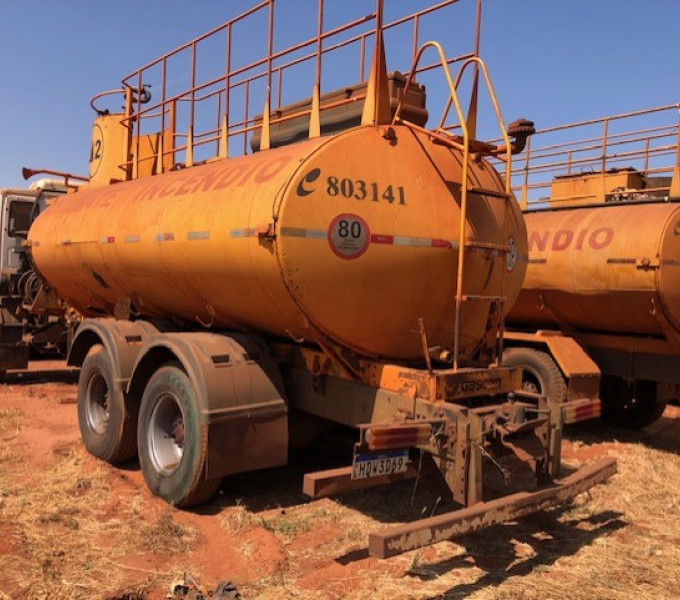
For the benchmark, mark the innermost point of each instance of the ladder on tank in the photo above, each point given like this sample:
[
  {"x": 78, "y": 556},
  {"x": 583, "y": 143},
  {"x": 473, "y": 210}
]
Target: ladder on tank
[{"x": 469, "y": 146}]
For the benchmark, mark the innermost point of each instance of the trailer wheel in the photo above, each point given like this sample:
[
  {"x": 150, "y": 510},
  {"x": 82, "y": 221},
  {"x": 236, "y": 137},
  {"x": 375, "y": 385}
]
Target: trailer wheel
[
  {"x": 540, "y": 373},
  {"x": 106, "y": 420},
  {"x": 631, "y": 404},
  {"x": 172, "y": 442}
]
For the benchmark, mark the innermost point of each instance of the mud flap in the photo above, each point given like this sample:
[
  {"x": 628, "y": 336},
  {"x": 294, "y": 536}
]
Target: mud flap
[{"x": 247, "y": 438}]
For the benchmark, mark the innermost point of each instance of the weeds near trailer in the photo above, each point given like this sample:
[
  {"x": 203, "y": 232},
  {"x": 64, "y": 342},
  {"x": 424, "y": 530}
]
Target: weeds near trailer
[
  {"x": 73, "y": 527},
  {"x": 69, "y": 534},
  {"x": 11, "y": 421},
  {"x": 165, "y": 536}
]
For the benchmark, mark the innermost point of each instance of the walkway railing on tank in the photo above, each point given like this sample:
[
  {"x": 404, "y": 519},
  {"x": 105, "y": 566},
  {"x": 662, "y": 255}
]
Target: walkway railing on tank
[
  {"x": 647, "y": 141},
  {"x": 203, "y": 115}
]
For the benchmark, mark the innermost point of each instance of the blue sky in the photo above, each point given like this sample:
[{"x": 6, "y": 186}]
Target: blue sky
[{"x": 551, "y": 60}]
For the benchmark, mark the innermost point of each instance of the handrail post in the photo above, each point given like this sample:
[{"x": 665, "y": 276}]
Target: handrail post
[
  {"x": 315, "y": 114},
  {"x": 224, "y": 137},
  {"x": 128, "y": 138},
  {"x": 524, "y": 201},
  {"x": 605, "y": 144},
  {"x": 674, "y": 192}
]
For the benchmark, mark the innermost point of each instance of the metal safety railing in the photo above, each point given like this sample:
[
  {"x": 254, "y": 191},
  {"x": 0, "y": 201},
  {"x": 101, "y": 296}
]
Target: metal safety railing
[
  {"x": 203, "y": 115},
  {"x": 646, "y": 141}
]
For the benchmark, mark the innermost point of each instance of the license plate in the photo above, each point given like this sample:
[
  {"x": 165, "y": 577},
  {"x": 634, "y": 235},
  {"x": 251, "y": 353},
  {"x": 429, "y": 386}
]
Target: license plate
[{"x": 383, "y": 463}]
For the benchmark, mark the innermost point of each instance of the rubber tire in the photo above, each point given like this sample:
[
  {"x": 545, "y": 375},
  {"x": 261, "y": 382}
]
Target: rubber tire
[
  {"x": 119, "y": 442},
  {"x": 631, "y": 404},
  {"x": 540, "y": 367},
  {"x": 188, "y": 484}
]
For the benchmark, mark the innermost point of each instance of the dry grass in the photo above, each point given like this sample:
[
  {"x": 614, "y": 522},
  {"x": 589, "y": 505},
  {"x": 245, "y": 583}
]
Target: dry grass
[
  {"x": 11, "y": 420},
  {"x": 166, "y": 536},
  {"x": 72, "y": 537},
  {"x": 619, "y": 542},
  {"x": 77, "y": 529}
]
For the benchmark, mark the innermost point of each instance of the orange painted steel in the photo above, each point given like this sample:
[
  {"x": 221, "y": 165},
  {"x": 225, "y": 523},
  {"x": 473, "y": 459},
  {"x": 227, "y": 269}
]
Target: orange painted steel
[
  {"x": 348, "y": 239},
  {"x": 604, "y": 247},
  {"x": 613, "y": 268}
]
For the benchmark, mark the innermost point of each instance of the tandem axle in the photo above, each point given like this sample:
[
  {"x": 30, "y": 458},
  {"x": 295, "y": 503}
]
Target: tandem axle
[{"x": 198, "y": 406}]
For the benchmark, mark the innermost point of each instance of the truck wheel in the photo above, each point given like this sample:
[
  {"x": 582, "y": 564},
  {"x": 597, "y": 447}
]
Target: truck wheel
[
  {"x": 107, "y": 422},
  {"x": 173, "y": 444},
  {"x": 631, "y": 404},
  {"x": 540, "y": 373}
]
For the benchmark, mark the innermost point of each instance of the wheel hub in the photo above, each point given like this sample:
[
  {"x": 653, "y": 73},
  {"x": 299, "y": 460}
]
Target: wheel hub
[
  {"x": 530, "y": 386},
  {"x": 97, "y": 404},
  {"x": 165, "y": 434}
]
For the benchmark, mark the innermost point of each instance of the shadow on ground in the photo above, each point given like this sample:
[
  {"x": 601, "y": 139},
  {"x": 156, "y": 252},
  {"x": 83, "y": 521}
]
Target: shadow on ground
[
  {"x": 509, "y": 550},
  {"x": 663, "y": 434}
]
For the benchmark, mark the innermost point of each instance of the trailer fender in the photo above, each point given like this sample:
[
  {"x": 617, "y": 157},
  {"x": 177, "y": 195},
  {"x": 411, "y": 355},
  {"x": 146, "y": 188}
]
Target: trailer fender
[
  {"x": 572, "y": 359},
  {"x": 122, "y": 340},
  {"x": 240, "y": 394},
  {"x": 581, "y": 373}
]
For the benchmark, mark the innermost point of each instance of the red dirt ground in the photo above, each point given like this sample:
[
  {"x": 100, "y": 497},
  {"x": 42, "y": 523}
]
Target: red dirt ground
[{"x": 73, "y": 527}]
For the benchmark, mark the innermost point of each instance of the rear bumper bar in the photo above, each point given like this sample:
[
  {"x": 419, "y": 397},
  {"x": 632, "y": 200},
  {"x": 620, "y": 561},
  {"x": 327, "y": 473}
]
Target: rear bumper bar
[{"x": 395, "y": 540}]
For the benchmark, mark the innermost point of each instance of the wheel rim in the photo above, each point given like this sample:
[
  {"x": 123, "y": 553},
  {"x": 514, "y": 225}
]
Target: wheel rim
[
  {"x": 97, "y": 405},
  {"x": 165, "y": 435},
  {"x": 531, "y": 381}
]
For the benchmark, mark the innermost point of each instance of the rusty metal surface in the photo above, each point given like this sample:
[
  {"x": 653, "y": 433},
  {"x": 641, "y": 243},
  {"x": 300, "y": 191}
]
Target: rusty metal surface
[{"x": 395, "y": 540}]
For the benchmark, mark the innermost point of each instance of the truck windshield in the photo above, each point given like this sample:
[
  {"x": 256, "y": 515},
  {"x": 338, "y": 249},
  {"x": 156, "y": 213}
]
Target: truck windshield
[{"x": 20, "y": 213}]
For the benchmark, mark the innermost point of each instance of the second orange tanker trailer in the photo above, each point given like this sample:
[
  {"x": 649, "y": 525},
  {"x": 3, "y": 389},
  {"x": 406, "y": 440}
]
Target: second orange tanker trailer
[
  {"x": 360, "y": 277},
  {"x": 599, "y": 312}
]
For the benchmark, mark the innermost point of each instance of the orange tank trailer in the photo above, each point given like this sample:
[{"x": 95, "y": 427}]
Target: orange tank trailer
[
  {"x": 318, "y": 240},
  {"x": 599, "y": 311},
  {"x": 603, "y": 269},
  {"x": 360, "y": 278}
]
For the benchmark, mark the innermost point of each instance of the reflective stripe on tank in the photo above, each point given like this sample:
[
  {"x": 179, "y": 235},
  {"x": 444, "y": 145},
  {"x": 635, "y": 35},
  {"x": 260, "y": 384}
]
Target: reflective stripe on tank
[
  {"x": 241, "y": 233},
  {"x": 298, "y": 232},
  {"x": 315, "y": 234},
  {"x": 418, "y": 242},
  {"x": 376, "y": 238}
]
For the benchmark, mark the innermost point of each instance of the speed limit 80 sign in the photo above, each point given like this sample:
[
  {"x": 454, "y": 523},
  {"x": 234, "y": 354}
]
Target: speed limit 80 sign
[{"x": 349, "y": 236}]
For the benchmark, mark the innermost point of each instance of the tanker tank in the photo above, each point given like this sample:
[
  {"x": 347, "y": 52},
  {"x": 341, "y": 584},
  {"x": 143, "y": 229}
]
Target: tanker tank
[
  {"x": 598, "y": 318},
  {"x": 347, "y": 240},
  {"x": 609, "y": 269}
]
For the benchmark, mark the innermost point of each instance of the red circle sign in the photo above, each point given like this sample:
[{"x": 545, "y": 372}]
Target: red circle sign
[{"x": 349, "y": 236}]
